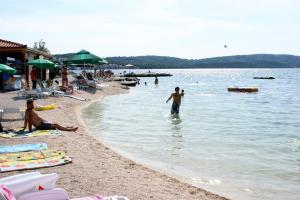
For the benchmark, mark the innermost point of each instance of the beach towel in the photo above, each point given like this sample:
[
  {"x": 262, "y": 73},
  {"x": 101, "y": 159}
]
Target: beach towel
[
  {"x": 32, "y": 160},
  {"x": 23, "y": 147},
  {"x": 16, "y": 133}
]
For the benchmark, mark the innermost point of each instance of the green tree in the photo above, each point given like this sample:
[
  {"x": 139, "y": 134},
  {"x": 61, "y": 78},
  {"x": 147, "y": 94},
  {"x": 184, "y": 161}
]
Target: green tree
[{"x": 41, "y": 46}]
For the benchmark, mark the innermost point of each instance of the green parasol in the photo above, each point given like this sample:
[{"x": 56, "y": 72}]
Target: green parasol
[
  {"x": 85, "y": 57},
  {"x": 42, "y": 63},
  {"x": 6, "y": 69}
]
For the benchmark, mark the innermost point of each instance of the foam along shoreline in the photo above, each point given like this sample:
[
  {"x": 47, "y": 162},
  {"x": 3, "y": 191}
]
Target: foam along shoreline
[{"x": 96, "y": 169}]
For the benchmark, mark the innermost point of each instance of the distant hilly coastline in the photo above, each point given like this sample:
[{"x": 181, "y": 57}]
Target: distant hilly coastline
[{"x": 238, "y": 61}]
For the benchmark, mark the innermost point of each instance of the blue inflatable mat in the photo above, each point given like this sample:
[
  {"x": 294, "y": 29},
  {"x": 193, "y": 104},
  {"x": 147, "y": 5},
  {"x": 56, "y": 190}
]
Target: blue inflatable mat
[{"x": 23, "y": 147}]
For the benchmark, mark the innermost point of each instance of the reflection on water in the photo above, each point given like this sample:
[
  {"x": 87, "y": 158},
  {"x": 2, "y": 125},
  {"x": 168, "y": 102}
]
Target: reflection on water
[{"x": 175, "y": 125}]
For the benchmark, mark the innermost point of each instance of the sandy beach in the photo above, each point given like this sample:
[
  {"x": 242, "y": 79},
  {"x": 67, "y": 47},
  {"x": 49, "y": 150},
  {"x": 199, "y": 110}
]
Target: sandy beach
[{"x": 96, "y": 169}]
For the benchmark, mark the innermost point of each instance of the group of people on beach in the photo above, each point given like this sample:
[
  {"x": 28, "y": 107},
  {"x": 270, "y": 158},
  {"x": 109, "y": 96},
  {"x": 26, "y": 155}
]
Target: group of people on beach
[{"x": 33, "y": 119}]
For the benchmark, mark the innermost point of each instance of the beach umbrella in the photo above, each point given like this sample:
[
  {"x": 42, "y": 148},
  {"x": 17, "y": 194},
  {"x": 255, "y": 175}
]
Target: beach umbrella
[
  {"x": 85, "y": 57},
  {"x": 6, "y": 69},
  {"x": 42, "y": 63}
]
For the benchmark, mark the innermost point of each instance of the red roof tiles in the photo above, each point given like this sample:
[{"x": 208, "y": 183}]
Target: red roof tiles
[{"x": 9, "y": 44}]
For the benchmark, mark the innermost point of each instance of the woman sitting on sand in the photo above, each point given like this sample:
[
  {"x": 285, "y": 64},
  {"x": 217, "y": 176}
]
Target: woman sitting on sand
[{"x": 32, "y": 118}]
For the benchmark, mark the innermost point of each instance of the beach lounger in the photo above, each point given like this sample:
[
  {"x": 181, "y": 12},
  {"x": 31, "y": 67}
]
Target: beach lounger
[
  {"x": 36, "y": 93},
  {"x": 53, "y": 90},
  {"x": 90, "y": 82},
  {"x": 12, "y": 110},
  {"x": 21, "y": 92},
  {"x": 27, "y": 93},
  {"x": 82, "y": 84}
]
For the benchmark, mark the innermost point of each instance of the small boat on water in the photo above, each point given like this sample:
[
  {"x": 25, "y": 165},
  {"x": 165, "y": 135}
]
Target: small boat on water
[
  {"x": 268, "y": 77},
  {"x": 236, "y": 89},
  {"x": 146, "y": 74},
  {"x": 125, "y": 79},
  {"x": 129, "y": 83}
]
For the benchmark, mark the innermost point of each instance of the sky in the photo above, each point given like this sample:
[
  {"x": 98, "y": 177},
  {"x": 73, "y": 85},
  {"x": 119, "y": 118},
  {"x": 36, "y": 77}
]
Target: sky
[{"x": 190, "y": 29}]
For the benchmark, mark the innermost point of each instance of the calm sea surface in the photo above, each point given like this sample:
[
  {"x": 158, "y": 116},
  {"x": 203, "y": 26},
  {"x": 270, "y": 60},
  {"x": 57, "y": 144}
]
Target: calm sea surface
[{"x": 240, "y": 145}]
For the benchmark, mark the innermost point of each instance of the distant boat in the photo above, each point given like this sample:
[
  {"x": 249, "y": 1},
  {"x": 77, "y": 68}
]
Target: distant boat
[
  {"x": 129, "y": 83},
  {"x": 236, "y": 89},
  {"x": 268, "y": 77}
]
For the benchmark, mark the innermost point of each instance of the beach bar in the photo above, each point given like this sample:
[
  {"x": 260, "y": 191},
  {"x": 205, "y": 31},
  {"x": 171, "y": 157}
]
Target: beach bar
[{"x": 17, "y": 55}]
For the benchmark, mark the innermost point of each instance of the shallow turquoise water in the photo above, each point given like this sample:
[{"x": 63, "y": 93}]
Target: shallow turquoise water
[{"x": 242, "y": 146}]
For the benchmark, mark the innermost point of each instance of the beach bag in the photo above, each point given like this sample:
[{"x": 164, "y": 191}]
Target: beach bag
[
  {"x": 55, "y": 194},
  {"x": 6, "y": 193}
]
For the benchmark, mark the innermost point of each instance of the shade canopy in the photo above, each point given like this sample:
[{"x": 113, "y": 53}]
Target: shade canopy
[
  {"x": 7, "y": 69},
  {"x": 42, "y": 63},
  {"x": 85, "y": 57}
]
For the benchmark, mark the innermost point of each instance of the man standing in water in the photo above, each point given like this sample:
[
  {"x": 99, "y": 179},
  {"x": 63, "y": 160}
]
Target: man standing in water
[
  {"x": 156, "y": 80},
  {"x": 176, "y": 101}
]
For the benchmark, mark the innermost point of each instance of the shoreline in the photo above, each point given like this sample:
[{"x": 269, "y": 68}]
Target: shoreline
[{"x": 96, "y": 168}]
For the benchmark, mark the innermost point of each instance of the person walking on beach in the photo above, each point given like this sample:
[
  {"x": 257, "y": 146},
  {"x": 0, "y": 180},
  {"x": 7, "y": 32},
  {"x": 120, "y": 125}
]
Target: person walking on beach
[
  {"x": 33, "y": 76},
  {"x": 65, "y": 81},
  {"x": 32, "y": 118},
  {"x": 176, "y": 101}
]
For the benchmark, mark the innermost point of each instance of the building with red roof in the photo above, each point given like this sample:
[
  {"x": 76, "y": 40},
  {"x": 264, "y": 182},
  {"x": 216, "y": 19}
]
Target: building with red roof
[{"x": 17, "y": 55}]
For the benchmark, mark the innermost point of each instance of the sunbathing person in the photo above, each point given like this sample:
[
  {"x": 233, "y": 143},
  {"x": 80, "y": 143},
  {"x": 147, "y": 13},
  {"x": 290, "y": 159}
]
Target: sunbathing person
[{"x": 32, "y": 118}]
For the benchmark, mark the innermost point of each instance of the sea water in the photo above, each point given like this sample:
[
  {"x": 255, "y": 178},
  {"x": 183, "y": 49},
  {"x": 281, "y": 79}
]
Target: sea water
[{"x": 239, "y": 145}]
